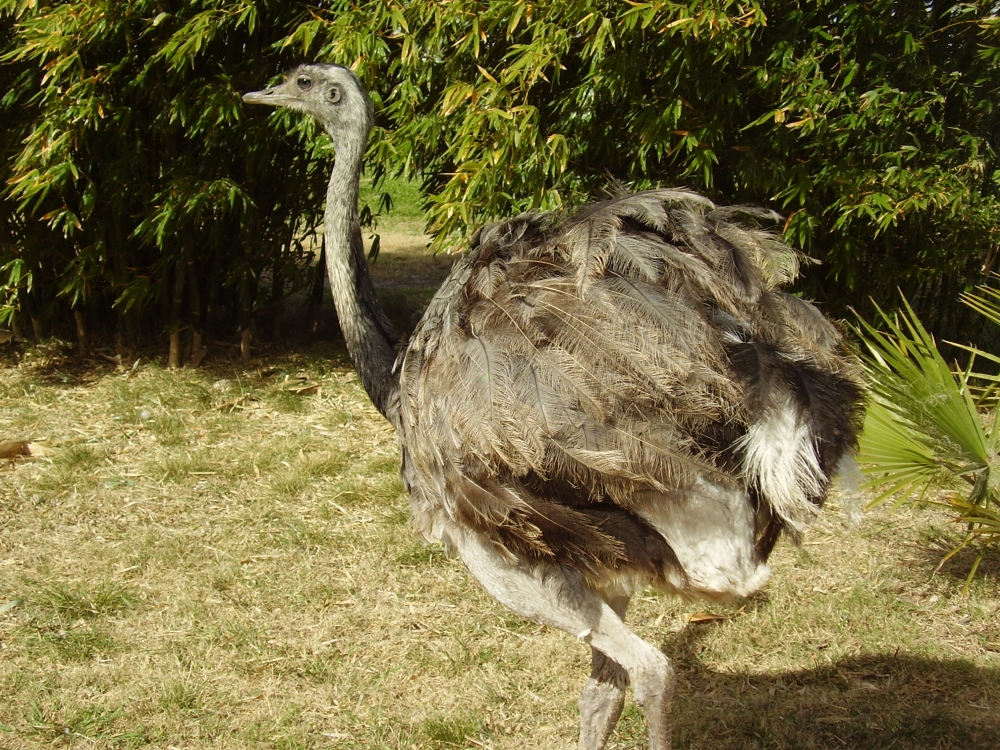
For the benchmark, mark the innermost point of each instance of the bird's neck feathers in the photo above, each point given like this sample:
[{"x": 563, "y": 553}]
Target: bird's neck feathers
[{"x": 368, "y": 333}]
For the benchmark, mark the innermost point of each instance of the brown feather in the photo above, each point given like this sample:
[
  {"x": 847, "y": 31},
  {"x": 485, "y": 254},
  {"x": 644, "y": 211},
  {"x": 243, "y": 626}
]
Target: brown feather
[{"x": 574, "y": 374}]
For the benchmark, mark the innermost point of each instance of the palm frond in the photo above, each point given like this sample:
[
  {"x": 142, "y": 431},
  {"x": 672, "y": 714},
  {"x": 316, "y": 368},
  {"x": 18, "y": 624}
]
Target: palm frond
[
  {"x": 922, "y": 414},
  {"x": 925, "y": 431}
]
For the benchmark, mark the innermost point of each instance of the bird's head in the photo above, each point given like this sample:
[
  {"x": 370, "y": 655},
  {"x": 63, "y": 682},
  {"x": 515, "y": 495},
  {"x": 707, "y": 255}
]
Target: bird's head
[{"x": 332, "y": 94}]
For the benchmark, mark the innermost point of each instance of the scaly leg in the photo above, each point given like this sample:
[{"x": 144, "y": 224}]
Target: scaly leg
[
  {"x": 601, "y": 701},
  {"x": 559, "y": 597},
  {"x": 603, "y": 697}
]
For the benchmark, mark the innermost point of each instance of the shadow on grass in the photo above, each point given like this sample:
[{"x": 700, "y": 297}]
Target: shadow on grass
[
  {"x": 57, "y": 363},
  {"x": 958, "y": 566},
  {"x": 941, "y": 538},
  {"x": 871, "y": 701}
]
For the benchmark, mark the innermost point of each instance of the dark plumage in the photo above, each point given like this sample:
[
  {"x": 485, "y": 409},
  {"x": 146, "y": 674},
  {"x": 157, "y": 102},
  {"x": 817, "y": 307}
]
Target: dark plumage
[{"x": 594, "y": 403}]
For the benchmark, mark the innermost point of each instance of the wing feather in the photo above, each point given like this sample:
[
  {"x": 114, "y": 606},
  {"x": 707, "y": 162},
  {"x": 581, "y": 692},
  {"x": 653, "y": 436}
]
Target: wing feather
[{"x": 574, "y": 377}]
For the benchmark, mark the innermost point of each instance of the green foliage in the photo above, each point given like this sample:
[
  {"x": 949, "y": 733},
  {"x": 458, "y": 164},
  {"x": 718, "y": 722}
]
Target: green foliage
[
  {"x": 872, "y": 125},
  {"x": 931, "y": 433},
  {"x": 141, "y": 192}
]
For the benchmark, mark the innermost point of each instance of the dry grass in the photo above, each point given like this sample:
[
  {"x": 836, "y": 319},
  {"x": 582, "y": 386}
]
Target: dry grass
[{"x": 221, "y": 559}]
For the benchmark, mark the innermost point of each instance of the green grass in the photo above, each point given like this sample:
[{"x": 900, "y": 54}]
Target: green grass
[
  {"x": 80, "y": 601},
  {"x": 237, "y": 570},
  {"x": 405, "y": 199},
  {"x": 452, "y": 732}
]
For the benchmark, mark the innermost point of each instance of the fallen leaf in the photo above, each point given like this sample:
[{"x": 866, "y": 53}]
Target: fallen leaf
[
  {"x": 13, "y": 448},
  {"x": 697, "y": 617}
]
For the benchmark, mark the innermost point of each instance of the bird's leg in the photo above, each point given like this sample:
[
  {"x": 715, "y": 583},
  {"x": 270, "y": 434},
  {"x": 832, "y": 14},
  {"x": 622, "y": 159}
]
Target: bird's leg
[
  {"x": 649, "y": 671},
  {"x": 559, "y": 597},
  {"x": 603, "y": 697},
  {"x": 601, "y": 701}
]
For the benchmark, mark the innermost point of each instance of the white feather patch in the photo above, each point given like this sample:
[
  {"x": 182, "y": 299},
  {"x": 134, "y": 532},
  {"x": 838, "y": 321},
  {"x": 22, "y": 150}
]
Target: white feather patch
[{"x": 779, "y": 457}]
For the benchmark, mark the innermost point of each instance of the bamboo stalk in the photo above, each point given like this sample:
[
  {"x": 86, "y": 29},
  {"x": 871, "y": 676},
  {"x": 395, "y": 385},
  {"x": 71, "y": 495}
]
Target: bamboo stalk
[
  {"x": 175, "y": 356},
  {"x": 198, "y": 350}
]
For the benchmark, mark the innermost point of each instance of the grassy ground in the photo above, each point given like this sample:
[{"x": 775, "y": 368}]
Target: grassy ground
[
  {"x": 406, "y": 276},
  {"x": 221, "y": 558},
  {"x": 404, "y": 211}
]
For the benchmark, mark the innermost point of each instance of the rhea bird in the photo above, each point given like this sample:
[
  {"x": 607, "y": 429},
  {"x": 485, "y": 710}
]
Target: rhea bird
[{"x": 598, "y": 402}]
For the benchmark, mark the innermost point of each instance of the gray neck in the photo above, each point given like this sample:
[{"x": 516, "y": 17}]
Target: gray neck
[{"x": 370, "y": 337}]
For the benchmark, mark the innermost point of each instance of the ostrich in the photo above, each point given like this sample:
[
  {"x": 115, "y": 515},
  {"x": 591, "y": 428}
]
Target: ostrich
[{"x": 596, "y": 403}]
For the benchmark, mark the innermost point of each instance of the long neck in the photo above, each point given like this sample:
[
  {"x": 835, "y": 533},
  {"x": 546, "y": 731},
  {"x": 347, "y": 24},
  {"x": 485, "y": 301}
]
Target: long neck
[{"x": 370, "y": 337}]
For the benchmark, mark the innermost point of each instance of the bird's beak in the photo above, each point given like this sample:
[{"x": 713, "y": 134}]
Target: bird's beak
[{"x": 274, "y": 96}]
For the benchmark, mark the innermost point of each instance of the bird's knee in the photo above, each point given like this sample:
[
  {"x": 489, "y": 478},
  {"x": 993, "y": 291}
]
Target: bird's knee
[{"x": 653, "y": 680}]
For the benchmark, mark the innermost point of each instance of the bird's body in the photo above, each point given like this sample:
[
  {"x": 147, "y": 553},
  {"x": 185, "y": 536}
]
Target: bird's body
[{"x": 597, "y": 403}]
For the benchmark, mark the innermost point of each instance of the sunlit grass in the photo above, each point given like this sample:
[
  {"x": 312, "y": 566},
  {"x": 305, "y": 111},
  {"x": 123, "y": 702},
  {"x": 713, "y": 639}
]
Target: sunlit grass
[
  {"x": 236, "y": 569},
  {"x": 405, "y": 211}
]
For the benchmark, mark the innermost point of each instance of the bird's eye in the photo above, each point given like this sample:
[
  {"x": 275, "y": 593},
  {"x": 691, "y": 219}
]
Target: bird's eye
[
  {"x": 334, "y": 95},
  {"x": 304, "y": 83}
]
